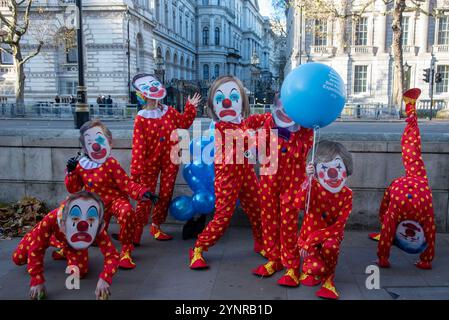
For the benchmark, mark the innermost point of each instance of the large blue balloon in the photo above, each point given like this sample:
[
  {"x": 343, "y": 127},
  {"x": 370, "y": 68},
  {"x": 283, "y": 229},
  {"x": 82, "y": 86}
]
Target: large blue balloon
[
  {"x": 203, "y": 202},
  {"x": 181, "y": 208},
  {"x": 313, "y": 95},
  {"x": 194, "y": 182}
]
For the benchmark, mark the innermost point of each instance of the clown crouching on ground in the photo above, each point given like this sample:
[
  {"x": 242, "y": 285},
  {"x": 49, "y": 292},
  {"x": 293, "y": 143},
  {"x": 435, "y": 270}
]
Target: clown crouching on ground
[
  {"x": 97, "y": 171},
  {"x": 75, "y": 225},
  {"x": 235, "y": 177},
  {"x": 408, "y": 199},
  {"x": 153, "y": 144},
  {"x": 280, "y": 222},
  {"x": 330, "y": 204}
]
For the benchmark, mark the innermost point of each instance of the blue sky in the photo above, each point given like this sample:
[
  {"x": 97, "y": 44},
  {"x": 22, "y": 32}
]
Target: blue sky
[{"x": 266, "y": 8}]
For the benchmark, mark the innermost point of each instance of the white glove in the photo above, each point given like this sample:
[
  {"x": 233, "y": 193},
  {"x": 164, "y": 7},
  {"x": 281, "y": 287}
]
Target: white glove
[
  {"x": 102, "y": 292},
  {"x": 38, "y": 292}
]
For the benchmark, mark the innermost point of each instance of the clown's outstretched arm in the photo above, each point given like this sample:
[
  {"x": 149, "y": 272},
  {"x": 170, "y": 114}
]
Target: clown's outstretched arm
[
  {"x": 411, "y": 139},
  {"x": 38, "y": 246},
  {"x": 139, "y": 152},
  {"x": 185, "y": 120},
  {"x": 111, "y": 257},
  {"x": 135, "y": 190},
  {"x": 334, "y": 230}
]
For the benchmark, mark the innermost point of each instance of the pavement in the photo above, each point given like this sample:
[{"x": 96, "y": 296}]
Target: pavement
[
  {"x": 379, "y": 127},
  {"x": 162, "y": 273}
]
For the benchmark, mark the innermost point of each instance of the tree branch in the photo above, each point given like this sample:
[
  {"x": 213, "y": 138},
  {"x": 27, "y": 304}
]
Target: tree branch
[{"x": 32, "y": 55}]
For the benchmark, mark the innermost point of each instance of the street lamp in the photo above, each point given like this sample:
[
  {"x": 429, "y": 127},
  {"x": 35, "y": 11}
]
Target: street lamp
[
  {"x": 82, "y": 109},
  {"x": 255, "y": 71},
  {"x": 128, "y": 53}
]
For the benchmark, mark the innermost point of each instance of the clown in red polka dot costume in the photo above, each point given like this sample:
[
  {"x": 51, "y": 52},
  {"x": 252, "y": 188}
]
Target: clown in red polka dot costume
[
  {"x": 235, "y": 177},
  {"x": 75, "y": 225},
  {"x": 101, "y": 173},
  {"x": 280, "y": 222},
  {"x": 330, "y": 204},
  {"x": 154, "y": 142},
  {"x": 408, "y": 197}
]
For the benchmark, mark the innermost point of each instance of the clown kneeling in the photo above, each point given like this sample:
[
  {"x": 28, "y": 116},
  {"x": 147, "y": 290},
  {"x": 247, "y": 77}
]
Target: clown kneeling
[
  {"x": 330, "y": 203},
  {"x": 75, "y": 225},
  {"x": 99, "y": 172}
]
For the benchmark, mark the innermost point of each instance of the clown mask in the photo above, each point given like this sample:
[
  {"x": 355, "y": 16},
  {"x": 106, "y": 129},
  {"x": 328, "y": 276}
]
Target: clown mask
[
  {"x": 150, "y": 88},
  {"x": 227, "y": 102},
  {"x": 97, "y": 145},
  {"x": 280, "y": 117},
  {"x": 332, "y": 175},
  {"x": 82, "y": 222}
]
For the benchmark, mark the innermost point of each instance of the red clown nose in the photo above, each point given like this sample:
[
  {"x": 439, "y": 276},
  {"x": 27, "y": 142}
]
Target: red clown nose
[
  {"x": 82, "y": 226},
  {"x": 227, "y": 103},
  {"x": 96, "y": 147},
  {"x": 332, "y": 173}
]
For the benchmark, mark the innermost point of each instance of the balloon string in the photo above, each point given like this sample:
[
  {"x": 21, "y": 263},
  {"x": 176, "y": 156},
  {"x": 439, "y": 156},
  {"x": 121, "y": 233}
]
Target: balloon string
[{"x": 314, "y": 148}]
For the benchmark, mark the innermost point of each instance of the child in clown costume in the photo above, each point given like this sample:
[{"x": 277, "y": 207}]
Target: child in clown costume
[
  {"x": 153, "y": 145},
  {"x": 97, "y": 171},
  {"x": 330, "y": 204},
  {"x": 75, "y": 225},
  {"x": 235, "y": 177},
  {"x": 280, "y": 222},
  {"x": 408, "y": 198}
]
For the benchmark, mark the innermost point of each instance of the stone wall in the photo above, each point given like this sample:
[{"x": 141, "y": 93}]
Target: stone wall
[{"x": 33, "y": 164}]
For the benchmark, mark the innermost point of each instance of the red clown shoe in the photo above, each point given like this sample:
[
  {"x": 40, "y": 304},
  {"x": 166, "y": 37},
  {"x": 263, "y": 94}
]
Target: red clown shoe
[
  {"x": 423, "y": 265},
  {"x": 126, "y": 262},
  {"x": 58, "y": 255},
  {"x": 374, "y": 236},
  {"x": 158, "y": 234},
  {"x": 290, "y": 278},
  {"x": 309, "y": 281},
  {"x": 328, "y": 290},
  {"x": 197, "y": 261},
  {"x": 268, "y": 269}
]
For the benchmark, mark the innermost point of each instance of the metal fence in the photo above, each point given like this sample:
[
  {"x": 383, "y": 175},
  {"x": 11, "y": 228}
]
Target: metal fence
[{"x": 65, "y": 111}]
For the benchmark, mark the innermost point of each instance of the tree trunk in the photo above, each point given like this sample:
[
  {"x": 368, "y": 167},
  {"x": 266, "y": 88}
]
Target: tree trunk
[
  {"x": 20, "y": 81},
  {"x": 398, "y": 75},
  {"x": 341, "y": 8}
]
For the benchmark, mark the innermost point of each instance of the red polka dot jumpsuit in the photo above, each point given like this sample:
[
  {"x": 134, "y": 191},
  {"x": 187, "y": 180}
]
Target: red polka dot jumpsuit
[
  {"x": 321, "y": 234},
  {"x": 113, "y": 185},
  {"x": 31, "y": 251},
  {"x": 408, "y": 197},
  {"x": 280, "y": 222},
  {"x": 152, "y": 148},
  {"x": 233, "y": 181}
]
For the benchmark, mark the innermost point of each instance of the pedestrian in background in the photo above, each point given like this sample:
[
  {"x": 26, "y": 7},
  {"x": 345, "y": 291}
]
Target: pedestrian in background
[{"x": 109, "y": 105}]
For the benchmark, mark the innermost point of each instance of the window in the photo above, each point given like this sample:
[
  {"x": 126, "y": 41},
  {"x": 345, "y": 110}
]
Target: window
[
  {"x": 180, "y": 24},
  {"x": 443, "y": 30},
  {"x": 216, "y": 71},
  {"x": 442, "y": 87},
  {"x": 320, "y": 33},
  {"x": 72, "y": 55},
  {"x": 405, "y": 30},
  {"x": 217, "y": 36},
  {"x": 166, "y": 15},
  {"x": 361, "y": 32},
  {"x": 206, "y": 72},
  {"x": 360, "y": 79},
  {"x": 156, "y": 8},
  {"x": 205, "y": 2},
  {"x": 68, "y": 87},
  {"x": 187, "y": 28},
  {"x": 174, "y": 21},
  {"x": 206, "y": 36},
  {"x": 6, "y": 58}
]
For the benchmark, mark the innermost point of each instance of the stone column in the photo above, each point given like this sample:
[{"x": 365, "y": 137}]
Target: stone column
[
  {"x": 381, "y": 28},
  {"x": 423, "y": 22}
]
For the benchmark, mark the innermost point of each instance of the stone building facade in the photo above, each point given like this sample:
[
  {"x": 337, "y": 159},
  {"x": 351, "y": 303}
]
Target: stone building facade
[
  {"x": 187, "y": 43},
  {"x": 363, "y": 55}
]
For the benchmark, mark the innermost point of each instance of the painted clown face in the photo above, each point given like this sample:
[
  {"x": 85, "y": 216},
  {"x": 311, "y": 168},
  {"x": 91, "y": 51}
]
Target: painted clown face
[
  {"x": 96, "y": 145},
  {"x": 150, "y": 88},
  {"x": 332, "y": 175},
  {"x": 410, "y": 236},
  {"x": 227, "y": 102},
  {"x": 280, "y": 117},
  {"x": 81, "y": 225}
]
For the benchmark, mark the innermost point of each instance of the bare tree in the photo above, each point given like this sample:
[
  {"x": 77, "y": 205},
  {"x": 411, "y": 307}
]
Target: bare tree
[{"x": 17, "y": 23}]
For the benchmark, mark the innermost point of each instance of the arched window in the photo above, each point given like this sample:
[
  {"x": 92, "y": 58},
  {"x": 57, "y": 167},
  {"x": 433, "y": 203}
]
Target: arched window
[
  {"x": 206, "y": 72},
  {"x": 175, "y": 66},
  {"x": 140, "y": 54},
  {"x": 217, "y": 36},
  {"x": 181, "y": 67},
  {"x": 216, "y": 71},
  {"x": 206, "y": 36},
  {"x": 168, "y": 75}
]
